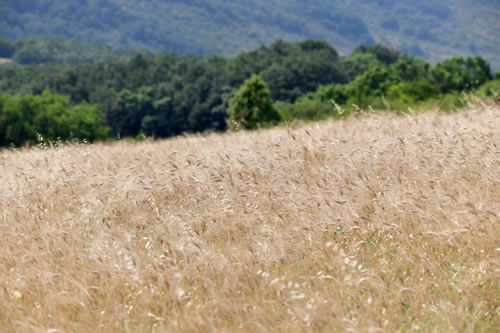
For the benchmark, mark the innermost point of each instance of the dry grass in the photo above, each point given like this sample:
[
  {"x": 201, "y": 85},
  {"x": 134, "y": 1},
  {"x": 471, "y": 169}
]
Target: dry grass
[{"x": 381, "y": 223}]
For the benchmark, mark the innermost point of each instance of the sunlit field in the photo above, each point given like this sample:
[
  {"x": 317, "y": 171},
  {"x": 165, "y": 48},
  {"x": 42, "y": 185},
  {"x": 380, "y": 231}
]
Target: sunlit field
[{"x": 376, "y": 223}]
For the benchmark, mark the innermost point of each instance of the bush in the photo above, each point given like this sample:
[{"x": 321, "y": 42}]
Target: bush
[
  {"x": 252, "y": 107},
  {"x": 305, "y": 109},
  {"x": 458, "y": 74},
  {"x": 491, "y": 88},
  {"x": 24, "y": 119}
]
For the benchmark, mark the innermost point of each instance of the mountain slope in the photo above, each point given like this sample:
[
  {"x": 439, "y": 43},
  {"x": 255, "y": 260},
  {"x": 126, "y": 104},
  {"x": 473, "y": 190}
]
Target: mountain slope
[
  {"x": 426, "y": 28},
  {"x": 39, "y": 50}
]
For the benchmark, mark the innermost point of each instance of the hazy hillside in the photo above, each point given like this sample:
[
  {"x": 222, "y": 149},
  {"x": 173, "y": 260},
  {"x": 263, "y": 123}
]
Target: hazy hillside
[
  {"x": 377, "y": 224},
  {"x": 59, "y": 50},
  {"x": 427, "y": 28}
]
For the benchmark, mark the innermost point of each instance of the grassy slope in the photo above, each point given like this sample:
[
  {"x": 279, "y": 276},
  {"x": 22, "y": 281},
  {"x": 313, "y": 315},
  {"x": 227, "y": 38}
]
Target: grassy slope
[{"x": 382, "y": 222}]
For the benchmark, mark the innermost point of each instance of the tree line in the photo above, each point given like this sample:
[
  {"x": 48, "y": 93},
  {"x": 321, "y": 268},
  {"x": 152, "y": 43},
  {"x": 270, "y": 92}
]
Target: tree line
[
  {"x": 48, "y": 117},
  {"x": 169, "y": 94},
  {"x": 38, "y": 50}
]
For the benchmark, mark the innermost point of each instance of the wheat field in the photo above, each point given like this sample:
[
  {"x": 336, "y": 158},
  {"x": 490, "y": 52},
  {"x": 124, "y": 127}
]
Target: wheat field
[{"x": 372, "y": 224}]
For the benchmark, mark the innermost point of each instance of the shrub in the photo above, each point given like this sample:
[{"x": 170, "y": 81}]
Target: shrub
[{"x": 252, "y": 107}]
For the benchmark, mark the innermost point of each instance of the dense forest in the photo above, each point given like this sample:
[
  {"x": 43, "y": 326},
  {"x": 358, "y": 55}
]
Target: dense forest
[
  {"x": 429, "y": 29},
  {"x": 169, "y": 94},
  {"x": 39, "y": 50}
]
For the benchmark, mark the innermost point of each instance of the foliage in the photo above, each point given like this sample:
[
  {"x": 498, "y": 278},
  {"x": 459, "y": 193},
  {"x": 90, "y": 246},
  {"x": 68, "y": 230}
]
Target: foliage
[
  {"x": 491, "y": 89},
  {"x": 26, "y": 119},
  {"x": 306, "y": 109},
  {"x": 384, "y": 55},
  {"x": 458, "y": 74},
  {"x": 198, "y": 89},
  {"x": 252, "y": 107},
  {"x": 358, "y": 63},
  {"x": 404, "y": 82},
  {"x": 168, "y": 94},
  {"x": 302, "y": 68}
]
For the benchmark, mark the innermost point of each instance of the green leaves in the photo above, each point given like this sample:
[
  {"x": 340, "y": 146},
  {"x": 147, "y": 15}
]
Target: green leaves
[
  {"x": 251, "y": 106},
  {"x": 169, "y": 94},
  {"x": 24, "y": 118},
  {"x": 459, "y": 74}
]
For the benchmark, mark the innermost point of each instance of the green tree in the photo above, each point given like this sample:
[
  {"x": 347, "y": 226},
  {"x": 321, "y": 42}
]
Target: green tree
[
  {"x": 374, "y": 82},
  {"x": 130, "y": 109},
  {"x": 383, "y": 54},
  {"x": 252, "y": 107},
  {"x": 16, "y": 120},
  {"x": 22, "y": 118},
  {"x": 457, "y": 74}
]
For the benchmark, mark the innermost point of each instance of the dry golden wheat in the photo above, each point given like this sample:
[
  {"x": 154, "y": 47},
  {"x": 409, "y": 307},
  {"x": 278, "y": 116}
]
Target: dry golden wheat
[{"x": 380, "y": 223}]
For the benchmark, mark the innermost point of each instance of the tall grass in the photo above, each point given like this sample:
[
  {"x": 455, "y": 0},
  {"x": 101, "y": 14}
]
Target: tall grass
[{"x": 378, "y": 223}]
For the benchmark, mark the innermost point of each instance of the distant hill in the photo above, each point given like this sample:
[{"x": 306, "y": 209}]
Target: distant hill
[
  {"x": 427, "y": 28},
  {"x": 59, "y": 50}
]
